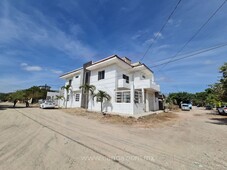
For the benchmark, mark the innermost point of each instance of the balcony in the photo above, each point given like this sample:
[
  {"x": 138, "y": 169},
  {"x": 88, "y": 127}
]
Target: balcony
[
  {"x": 122, "y": 84},
  {"x": 146, "y": 84}
]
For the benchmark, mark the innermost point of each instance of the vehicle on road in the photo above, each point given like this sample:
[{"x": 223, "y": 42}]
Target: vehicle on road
[
  {"x": 185, "y": 106},
  {"x": 222, "y": 110},
  {"x": 47, "y": 104},
  {"x": 209, "y": 107}
]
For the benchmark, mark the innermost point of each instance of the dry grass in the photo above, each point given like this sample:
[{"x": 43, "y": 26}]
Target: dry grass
[{"x": 144, "y": 122}]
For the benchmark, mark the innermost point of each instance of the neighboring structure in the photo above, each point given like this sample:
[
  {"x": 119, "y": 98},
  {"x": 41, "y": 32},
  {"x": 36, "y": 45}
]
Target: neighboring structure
[
  {"x": 52, "y": 95},
  {"x": 45, "y": 87},
  {"x": 131, "y": 86}
]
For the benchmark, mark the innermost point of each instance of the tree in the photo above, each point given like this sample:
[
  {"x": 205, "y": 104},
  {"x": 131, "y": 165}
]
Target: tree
[
  {"x": 177, "y": 98},
  {"x": 67, "y": 88},
  {"x": 223, "y": 81},
  {"x": 86, "y": 88},
  {"x": 100, "y": 96},
  {"x": 60, "y": 98}
]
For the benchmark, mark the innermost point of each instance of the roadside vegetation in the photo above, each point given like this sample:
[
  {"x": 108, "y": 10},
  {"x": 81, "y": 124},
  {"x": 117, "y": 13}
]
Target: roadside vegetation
[
  {"x": 215, "y": 95},
  {"x": 22, "y": 95}
]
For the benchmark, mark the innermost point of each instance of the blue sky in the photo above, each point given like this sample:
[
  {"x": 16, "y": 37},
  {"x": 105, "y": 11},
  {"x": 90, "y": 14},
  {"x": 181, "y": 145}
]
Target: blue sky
[{"x": 40, "y": 40}]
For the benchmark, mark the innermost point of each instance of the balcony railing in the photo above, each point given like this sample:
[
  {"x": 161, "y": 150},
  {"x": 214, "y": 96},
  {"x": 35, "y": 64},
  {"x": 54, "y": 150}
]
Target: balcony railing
[
  {"x": 147, "y": 83},
  {"x": 123, "y": 84}
]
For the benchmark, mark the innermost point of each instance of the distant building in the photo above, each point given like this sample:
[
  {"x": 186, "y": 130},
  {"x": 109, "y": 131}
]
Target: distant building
[
  {"x": 45, "y": 87},
  {"x": 52, "y": 96}
]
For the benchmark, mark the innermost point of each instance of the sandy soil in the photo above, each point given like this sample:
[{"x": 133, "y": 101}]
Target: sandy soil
[{"x": 33, "y": 138}]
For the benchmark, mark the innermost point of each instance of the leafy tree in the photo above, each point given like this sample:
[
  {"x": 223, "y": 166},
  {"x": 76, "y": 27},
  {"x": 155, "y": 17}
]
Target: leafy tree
[
  {"x": 67, "y": 88},
  {"x": 177, "y": 98},
  {"x": 100, "y": 96},
  {"x": 200, "y": 98},
  {"x": 35, "y": 93},
  {"x": 86, "y": 88},
  {"x": 223, "y": 82}
]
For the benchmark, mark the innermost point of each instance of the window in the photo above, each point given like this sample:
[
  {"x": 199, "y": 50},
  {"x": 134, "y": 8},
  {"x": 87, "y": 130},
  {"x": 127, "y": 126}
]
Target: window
[
  {"x": 101, "y": 75},
  {"x": 126, "y": 78},
  {"x": 70, "y": 82},
  {"x": 67, "y": 97},
  {"x": 138, "y": 96},
  {"x": 77, "y": 77},
  {"x": 123, "y": 97},
  {"x": 143, "y": 76},
  {"x": 77, "y": 97}
]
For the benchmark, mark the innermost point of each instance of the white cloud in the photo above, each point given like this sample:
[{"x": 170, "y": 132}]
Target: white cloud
[
  {"x": 56, "y": 71},
  {"x": 148, "y": 42},
  {"x": 170, "y": 21},
  {"x": 23, "y": 64},
  {"x": 158, "y": 35},
  {"x": 208, "y": 62},
  {"x": 41, "y": 30},
  {"x": 27, "y": 67}
]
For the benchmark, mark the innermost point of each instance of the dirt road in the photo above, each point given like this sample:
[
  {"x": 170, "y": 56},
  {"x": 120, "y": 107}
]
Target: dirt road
[{"x": 33, "y": 138}]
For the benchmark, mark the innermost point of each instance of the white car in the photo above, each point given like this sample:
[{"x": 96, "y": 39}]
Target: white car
[
  {"x": 47, "y": 104},
  {"x": 185, "y": 106},
  {"x": 222, "y": 110}
]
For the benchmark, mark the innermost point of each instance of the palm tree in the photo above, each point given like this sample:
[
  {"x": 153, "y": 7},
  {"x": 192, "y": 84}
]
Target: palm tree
[
  {"x": 87, "y": 88},
  {"x": 100, "y": 96},
  {"x": 67, "y": 88},
  {"x": 60, "y": 98}
]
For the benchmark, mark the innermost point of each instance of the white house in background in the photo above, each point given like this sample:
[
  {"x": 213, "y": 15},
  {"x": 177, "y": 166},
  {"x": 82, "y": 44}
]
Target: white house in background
[
  {"x": 131, "y": 86},
  {"x": 52, "y": 95}
]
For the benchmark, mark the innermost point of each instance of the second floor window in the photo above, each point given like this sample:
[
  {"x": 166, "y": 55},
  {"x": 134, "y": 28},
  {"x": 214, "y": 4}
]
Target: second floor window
[
  {"x": 101, "y": 75},
  {"x": 70, "y": 82},
  {"x": 126, "y": 78}
]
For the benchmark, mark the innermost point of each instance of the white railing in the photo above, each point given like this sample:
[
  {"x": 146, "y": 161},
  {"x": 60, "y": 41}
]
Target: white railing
[
  {"x": 123, "y": 84},
  {"x": 146, "y": 83}
]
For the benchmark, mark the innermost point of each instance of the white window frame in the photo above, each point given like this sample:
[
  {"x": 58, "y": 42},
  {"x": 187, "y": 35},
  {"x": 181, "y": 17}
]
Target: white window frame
[
  {"x": 77, "y": 97},
  {"x": 101, "y": 75},
  {"x": 123, "y": 96},
  {"x": 138, "y": 96}
]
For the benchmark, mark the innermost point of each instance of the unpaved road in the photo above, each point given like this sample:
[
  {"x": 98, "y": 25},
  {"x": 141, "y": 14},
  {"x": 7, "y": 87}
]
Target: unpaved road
[{"x": 32, "y": 138}]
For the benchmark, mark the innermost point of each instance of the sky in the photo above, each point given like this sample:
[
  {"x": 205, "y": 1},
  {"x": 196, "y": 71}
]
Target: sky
[{"x": 40, "y": 40}]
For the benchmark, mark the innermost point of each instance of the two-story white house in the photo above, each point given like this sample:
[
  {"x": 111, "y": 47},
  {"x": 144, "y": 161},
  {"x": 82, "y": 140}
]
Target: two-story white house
[{"x": 131, "y": 86}]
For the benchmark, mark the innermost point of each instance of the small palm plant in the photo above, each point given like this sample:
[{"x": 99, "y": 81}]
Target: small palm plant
[
  {"x": 67, "y": 88},
  {"x": 60, "y": 98},
  {"x": 100, "y": 96},
  {"x": 88, "y": 88}
]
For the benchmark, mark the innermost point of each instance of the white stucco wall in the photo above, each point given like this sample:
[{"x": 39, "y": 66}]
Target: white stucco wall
[
  {"x": 76, "y": 83},
  {"x": 110, "y": 85},
  {"x": 107, "y": 84}
]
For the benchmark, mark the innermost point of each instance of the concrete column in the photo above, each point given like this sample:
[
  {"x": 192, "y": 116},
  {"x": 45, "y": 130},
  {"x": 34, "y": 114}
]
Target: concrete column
[
  {"x": 132, "y": 91},
  {"x": 143, "y": 100},
  {"x": 147, "y": 103}
]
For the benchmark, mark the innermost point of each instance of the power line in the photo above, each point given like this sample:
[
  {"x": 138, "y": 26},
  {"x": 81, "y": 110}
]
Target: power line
[
  {"x": 191, "y": 54},
  {"x": 157, "y": 35},
  {"x": 197, "y": 32}
]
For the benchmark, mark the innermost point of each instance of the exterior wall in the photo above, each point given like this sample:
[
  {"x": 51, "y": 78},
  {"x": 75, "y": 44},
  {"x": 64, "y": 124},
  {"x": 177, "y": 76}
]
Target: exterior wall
[
  {"x": 110, "y": 84},
  {"x": 76, "y": 83},
  {"x": 151, "y": 102},
  {"x": 119, "y": 76},
  {"x": 72, "y": 100},
  {"x": 107, "y": 84},
  {"x": 52, "y": 96}
]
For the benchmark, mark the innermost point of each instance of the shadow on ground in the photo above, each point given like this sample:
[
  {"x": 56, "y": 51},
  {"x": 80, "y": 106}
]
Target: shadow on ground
[
  {"x": 4, "y": 107},
  {"x": 219, "y": 120}
]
